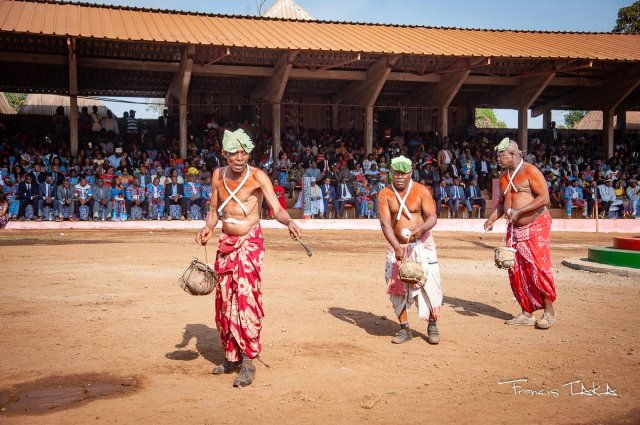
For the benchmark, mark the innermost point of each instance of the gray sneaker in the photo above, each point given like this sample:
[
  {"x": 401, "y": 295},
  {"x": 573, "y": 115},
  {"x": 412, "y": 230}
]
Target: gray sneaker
[
  {"x": 546, "y": 321},
  {"x": 433, "y": 336},
  {"x": 403, "y": 335},
  {"x": 521, "y": 320}
]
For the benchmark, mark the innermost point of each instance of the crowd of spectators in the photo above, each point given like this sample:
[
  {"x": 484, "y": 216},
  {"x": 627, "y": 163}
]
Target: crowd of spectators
[{"x": 128, "y": 169}]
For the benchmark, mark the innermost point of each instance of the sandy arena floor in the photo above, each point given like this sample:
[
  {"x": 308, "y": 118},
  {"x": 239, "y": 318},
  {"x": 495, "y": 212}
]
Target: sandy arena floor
[{"x": 106, "y": 306}]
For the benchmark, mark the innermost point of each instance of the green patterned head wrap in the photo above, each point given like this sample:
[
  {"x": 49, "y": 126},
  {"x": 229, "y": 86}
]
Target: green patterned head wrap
[
  {"x": 503, "y": 145},
  {"x": 401, "y": 164},
  {"x": 233, "y": 140}
]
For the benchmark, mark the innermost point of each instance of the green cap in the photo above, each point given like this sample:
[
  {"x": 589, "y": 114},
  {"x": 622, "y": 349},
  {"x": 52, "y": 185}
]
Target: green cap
[
  {"x": 233, "y": 140},
  {"x": 503, "y": 145},
  {"x": 401, "y": 163}
]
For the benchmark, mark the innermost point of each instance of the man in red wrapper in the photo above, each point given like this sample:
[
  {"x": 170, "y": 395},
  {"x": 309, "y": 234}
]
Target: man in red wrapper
[
  {"x": 236, "y": 196},
  {"x": 523, "y": 202}
]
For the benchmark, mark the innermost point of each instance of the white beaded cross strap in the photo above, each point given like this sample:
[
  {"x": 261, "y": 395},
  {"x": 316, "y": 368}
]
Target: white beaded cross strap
[
  {"x": 402, "y": 201},
  {"x": 511, "y": 176},
  {"x": 232, "y": 194}
]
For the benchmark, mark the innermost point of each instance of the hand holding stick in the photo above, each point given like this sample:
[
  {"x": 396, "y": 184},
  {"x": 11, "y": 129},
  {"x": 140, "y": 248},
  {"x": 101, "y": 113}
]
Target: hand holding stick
[{"x": 306, "y": 248}]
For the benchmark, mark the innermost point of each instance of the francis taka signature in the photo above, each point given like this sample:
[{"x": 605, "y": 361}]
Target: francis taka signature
[{"x": 575, "y": 388}]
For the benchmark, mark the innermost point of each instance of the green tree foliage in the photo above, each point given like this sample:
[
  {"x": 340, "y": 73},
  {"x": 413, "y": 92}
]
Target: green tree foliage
[
  {"x": 628, "y": 19},
  {"x": 573, "y": 117},
  {"x": 16, "y": 100},
  {"x": 155, "y": 106},
  {"x": 486, "y": 118}
]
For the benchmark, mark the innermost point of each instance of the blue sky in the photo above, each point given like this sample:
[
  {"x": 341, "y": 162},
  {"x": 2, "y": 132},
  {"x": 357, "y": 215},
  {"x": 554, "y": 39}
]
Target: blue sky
[{"x": 543, "y": 15}]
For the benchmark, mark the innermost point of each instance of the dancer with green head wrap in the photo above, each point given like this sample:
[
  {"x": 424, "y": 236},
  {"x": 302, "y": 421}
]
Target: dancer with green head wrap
[
  {"x": 407, "y": 215},
  {"x": 237, "y": 191}
]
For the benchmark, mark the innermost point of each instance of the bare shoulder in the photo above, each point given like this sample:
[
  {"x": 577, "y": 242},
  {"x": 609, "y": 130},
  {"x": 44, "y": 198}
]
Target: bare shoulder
[
  {"x": 217, "y": 173},
  {"x": 260, "y": 175},
  {"x": 386, "y": 191},
  {"x": 533, "y": 171}
]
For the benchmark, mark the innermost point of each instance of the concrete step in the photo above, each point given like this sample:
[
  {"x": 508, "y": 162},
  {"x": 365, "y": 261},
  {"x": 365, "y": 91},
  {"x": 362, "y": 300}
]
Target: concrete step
[{"x": 615, "y": 257}]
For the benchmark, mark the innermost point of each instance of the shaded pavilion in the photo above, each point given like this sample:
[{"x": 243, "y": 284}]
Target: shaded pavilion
[{"x": 288, "y": 72}]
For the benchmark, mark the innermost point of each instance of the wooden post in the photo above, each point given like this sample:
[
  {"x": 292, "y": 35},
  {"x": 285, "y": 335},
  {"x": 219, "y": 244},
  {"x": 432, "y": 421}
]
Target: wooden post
[
  {"x": 368, "y": 130},
  {"x": 523, "y": 124},
  {"x": 621, "y": 122},
  {"x": 276, "y": 130},
  {"x": 443, "y": 115},
  {"x": 334, "y": 116},
  {"x": 546, "y": 119},
  {"x": 183, "y": 125},
  {"x": 179, "y": 88},
  {"x": 595, "y": 208},
  {"x": 73, "y": 96},
  {"x": 607, "y": 129}
]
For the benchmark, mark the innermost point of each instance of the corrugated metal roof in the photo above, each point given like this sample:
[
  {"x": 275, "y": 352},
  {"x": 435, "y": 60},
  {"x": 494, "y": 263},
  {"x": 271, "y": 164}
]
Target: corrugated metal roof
[
  {"x": 46, "y": 104},
  {"x": 288, "y": 9},
  {"x": 593, "y": 121},
  {"x": 122, "y": 23},
  {"x": 5, "y": 107}
]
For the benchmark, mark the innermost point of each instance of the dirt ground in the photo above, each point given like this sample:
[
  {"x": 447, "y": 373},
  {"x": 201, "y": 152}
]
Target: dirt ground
[{"x": 107, "y": 304}]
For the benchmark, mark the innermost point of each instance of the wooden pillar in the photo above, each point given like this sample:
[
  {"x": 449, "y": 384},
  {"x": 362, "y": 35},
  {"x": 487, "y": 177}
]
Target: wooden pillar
[
  {"x": 607, "y": 131},
  {"x": 523, "y": 124},
  {"x": 334, "y": 116},
  {"x": 73, "y": 96},
  {"x": 443, "y": 120},
  {"x": 546, "y": 119},
  {"x": 275, "y": 108},
  {"x": 368, "y": 130},
  {"x": 621, "y": 120},
  {"x": 179, "y": 87},
  {"x": 182, "y": 118}
]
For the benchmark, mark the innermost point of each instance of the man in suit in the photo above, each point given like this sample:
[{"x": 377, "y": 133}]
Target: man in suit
[
  {"x": 37, "y": 176},
  {"x": 28, "y": 193},
  {"x": 444, "y": 157},
  {"x": 454, "y": 169},
  {"x": 64, "y": 196},
  {"x": 48, "y": 196},
  {"x": 57, "y": 176},
  {"x": 474, "y": 197},
  {"x": 329, "y": 196},
  {"x": 441, "y": 195},
  {"x": 346, "y": 195},
  {"x": 101, "y": 198},
  {"x": 482, "y": 171},
  {"x": 174, "y": 192},
  {"x": 144, "y": 176},
  {"x": 165, "y": 125},
  {"x": 456, "y": 197}
]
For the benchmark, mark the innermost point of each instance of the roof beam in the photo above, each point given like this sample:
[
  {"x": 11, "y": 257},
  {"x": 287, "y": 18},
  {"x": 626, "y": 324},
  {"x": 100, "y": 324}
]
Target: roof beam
[
  {"x": 608, "y": 95},
  {"x": 531, "y": 85},
  {"x": 258, "y": 71},
  {"x": 524, "y": 94},
  {"x": 272, "y": 88},
  {"x": 184, "y": 74},
  {"x": 442, "y": 94},
  {"x": 616, "y": 97},
  {"x": 630, "y": 104},
  {"x": 365, "y": 92}
]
